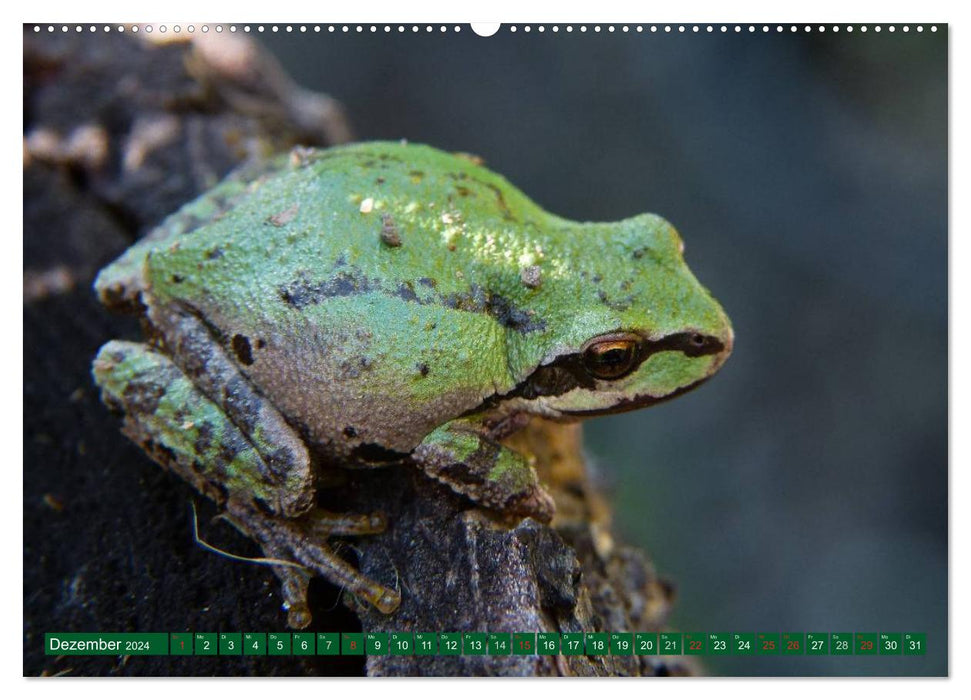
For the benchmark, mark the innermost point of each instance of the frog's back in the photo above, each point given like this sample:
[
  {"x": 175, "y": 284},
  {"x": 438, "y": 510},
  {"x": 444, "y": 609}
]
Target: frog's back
[{"x": 354, "y": 286}]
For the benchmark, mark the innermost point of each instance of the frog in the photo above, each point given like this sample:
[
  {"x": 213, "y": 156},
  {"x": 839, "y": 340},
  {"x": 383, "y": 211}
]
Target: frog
[{"x": 386, "y": 305}]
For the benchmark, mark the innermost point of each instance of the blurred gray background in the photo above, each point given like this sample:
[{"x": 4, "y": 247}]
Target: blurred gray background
[{"x": 805, "y": 488}]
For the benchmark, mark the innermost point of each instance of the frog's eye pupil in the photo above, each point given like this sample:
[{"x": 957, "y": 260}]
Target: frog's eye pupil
[
  {"x": 610, "y": 359},
  {"x": 698, "y": 340}
]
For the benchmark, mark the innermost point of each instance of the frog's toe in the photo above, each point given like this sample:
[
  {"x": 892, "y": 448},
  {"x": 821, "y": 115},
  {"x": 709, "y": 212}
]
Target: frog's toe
[
  {"x": 325, "y": 523},
  {"x": 537, "y": 504},
  {"x": 388, "y": 602}
]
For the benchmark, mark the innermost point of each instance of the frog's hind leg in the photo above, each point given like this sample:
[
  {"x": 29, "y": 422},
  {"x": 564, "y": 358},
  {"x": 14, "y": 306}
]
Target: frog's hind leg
[
  {"x": 285, "y": 462},
  {"x": 183, "y": 430}
]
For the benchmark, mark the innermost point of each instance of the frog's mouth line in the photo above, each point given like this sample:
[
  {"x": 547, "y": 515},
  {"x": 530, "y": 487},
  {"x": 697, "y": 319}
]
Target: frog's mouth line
[{"x": 626, "y": 405}]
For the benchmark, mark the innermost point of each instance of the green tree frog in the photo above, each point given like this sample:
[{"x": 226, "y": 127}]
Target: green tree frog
[{"x": 387, "y": 304}]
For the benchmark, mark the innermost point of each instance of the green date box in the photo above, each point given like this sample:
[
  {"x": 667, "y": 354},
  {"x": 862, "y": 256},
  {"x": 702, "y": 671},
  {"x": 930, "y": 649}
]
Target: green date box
[
  {"x": 793, "y": 644},
  {"x": 524, "y": 643},
  {"x": 230, "y": 644},
  {"x": 278, "y": 643},
  {"x": 915, "y": 643},
  {"x": 841, "y": 644},
  {"x": 817, "y": 643},
  {"x": 304, "y": 644},
  {"x": 180, "y": 644},
  {"x": 645, "y": 643},
  {"x": 401, "y": 643},
  {"x": 719, "y": 643},
  {"x": 450, "y": 643},
  {"x": 621, "y": 644},
  {"x": 571, "y": 644},
  {"x": 670, "y": 643},
  {"x": 254, "y": 643},
  {"x": 548, "y": 643},
  {"x": 743, "y": 644},
  {"x": 767, "y": 644},
  {"x": 376, "y": 643},
  {"x": 329, "y": 644},
  {"x": 352, "y": 644},
  {"x": 500, "y": 643},
  {"x": 597, "y": 643},
  {"x": 694, "y": 643},
  {"x": 475, "y": 644},
  {"x": 866, "y": 643},
  {"x": 426, "y": 644},
  {"x": 891, "y": 643},
  {"x": 206, "y": 643}
]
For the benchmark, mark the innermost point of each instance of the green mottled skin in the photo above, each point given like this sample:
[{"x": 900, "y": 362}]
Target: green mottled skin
[
  {"x": 371, "y": 342},
  {"x": 382, "y": 302}
]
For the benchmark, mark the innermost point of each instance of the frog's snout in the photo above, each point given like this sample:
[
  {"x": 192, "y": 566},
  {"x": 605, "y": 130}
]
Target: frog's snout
[{"x": 727, "y": 340}]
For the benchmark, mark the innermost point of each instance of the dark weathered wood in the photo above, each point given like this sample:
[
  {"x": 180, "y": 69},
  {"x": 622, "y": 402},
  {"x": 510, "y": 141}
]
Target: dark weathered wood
[{"x": 120, "y": 132}]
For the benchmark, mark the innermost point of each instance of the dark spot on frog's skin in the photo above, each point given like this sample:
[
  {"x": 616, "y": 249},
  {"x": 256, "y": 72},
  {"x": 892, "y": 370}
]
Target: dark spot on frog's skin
[
  {"x": 279, "y": 461},
  {"x": 497, "y": 306},
  {"x": 302, "y": 292},
  {"x": 501, "y": 201},
  {"x": 427, "y": 282},
  {"x": 351, "y": 368},
  {"x": 615, "y": 304},
  {"x": 203, "y": 438},
  {"x": 371, "y": 452},
  {"x": 214, "y": 253},
  {"x": 350, "y": 431},
  {"x": 407, "y": 292},
  {"x": 423, "y": 369},
  {"x": 260, "y": 343},
  {"x": 511, "y": 317},
  {"x": 379, "y": 180},
  {"x": 597, "y": 278},
  {"x": 178, "y": 279},
  {"x": 473, "y": 301},
  {"x": 226, "y": 453},
  {"x": 242, "y": 349},
  {"x": 638, "y": 254},
  {"x": 416, "y": 175},
  {"x": 142, "y": 398}
]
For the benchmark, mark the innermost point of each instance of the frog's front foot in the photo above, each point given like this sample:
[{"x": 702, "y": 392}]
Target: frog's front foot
[
  {"x": 489, "y": 473},
  {"x": 302, "y": 543}
]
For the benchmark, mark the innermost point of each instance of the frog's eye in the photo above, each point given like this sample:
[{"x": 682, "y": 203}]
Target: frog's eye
[{"x": 610, "y": 359}]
